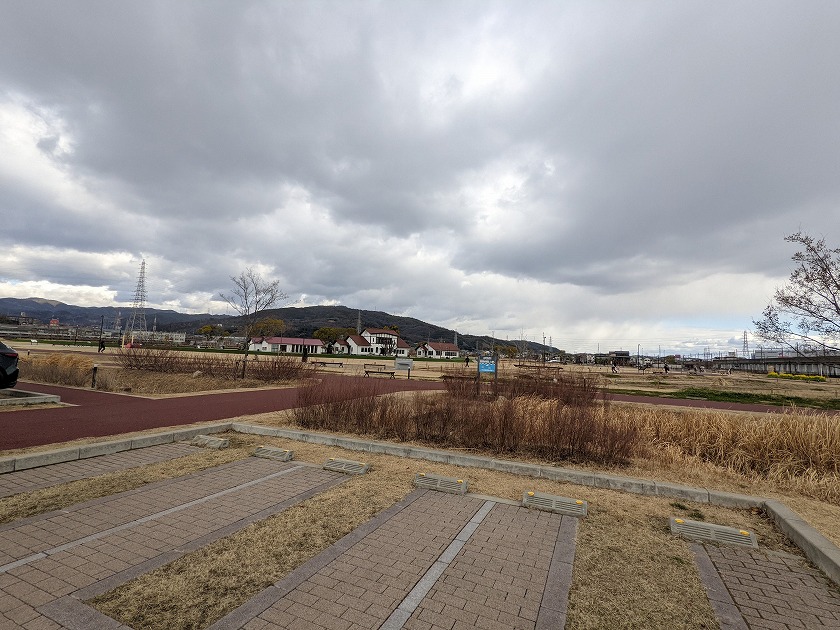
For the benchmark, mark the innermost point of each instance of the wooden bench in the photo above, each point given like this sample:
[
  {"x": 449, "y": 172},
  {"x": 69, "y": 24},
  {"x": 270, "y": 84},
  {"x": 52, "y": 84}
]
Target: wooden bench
[
  {"x": 378, "y": 368},
  {"x": 457, "y": 377}
]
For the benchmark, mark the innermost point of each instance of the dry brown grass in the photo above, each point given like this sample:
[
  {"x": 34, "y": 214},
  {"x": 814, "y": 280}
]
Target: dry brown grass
[
  {"x": 629, "y": 571},
  {"x": 57, "y": 497},
  {"x": 184, "y": 375},
  {"x": 814, "y": 493},
  {"x": 57, "y": 368},
  {"x": 626, "y": 557}
]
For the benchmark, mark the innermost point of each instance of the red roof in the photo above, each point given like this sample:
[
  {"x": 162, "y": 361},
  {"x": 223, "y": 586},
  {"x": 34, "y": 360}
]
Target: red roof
[
  {"x": 441, "y": 346},
  {"x": 358, "y": 340}
]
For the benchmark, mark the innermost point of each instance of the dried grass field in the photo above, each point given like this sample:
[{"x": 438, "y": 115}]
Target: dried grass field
[{"x": 626, "y": 558}]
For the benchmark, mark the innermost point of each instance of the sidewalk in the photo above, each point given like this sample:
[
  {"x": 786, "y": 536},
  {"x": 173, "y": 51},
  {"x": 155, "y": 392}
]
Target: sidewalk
[
  {"x": 432, "y": 562},
  {"x": 65, "y": 472},
  {"x": 50, "y": 563}
]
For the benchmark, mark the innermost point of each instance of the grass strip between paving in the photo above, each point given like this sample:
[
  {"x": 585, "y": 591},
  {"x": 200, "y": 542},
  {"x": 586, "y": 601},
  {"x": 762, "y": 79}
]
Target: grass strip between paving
[{"x": 629, "y": 570}]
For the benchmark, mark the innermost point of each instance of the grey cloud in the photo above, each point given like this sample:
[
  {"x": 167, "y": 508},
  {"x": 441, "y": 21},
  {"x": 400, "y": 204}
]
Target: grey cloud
[{"x": 656, "y": 144}]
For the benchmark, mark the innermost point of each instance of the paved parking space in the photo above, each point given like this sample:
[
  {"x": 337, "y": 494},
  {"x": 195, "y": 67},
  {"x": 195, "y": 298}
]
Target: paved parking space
[
  {"x": 432, "y": 561},
  {"x": 52, "y": 562},
  {"x": 65, "y": 472},
  {"x": 765, "y": 589}
]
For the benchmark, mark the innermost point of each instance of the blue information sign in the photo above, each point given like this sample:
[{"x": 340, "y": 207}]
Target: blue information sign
[{"x": 487, "y": 366}]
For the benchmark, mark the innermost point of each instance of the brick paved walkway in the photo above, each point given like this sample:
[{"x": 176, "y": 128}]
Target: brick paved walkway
[
  {"x": 765, "y": 589},
  {"x": 49, "y": 563},
  {"x": 433, "y": 561},
  {"x": 54, "y": 474}
]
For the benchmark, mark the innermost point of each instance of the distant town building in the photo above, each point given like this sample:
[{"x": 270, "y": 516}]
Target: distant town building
[
  {"x": 287, "y": 345},
  {"x": 437, "y": 350}
]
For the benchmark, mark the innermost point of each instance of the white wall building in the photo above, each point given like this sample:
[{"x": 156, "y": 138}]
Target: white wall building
[{"x": 287, "y": 345}]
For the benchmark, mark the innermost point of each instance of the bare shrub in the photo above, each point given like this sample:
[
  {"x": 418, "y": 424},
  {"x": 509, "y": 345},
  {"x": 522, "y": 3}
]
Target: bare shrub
[
  {"x": 558, "y": 419},
  {"x": 165, "y": 361}
]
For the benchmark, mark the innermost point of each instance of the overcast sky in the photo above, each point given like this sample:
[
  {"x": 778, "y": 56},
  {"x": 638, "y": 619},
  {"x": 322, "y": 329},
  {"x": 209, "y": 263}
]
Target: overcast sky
[{"x": 613, "y": 175}]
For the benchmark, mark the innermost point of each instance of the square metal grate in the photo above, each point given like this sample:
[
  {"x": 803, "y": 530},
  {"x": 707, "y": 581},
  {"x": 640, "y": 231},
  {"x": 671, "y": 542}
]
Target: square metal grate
[
  {"x": 554, "y": 503},
  {"x": 697, "y": 530},
  {"x": 272, "y": 452},
  {"x": 346, "y": 466},
  {"x": 208, "y": 441},
  {"x": 441, "y": 484}
]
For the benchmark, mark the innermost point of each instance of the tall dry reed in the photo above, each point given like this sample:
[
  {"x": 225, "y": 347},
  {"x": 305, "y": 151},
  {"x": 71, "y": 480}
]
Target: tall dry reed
[{"x": 60, "y": 369}]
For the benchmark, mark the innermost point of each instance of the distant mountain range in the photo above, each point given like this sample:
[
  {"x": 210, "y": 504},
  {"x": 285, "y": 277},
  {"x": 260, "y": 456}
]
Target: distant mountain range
[{"x": 300, "y": 321}]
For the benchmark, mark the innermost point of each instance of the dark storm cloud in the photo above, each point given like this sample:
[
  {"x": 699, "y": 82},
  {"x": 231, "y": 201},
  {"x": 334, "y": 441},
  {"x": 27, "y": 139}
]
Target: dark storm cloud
[{"x": 602, "y": 147}]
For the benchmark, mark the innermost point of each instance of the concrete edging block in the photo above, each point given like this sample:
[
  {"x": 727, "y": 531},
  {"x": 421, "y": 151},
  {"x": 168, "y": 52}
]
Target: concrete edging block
[
  {"x": 378, "y": 447},
  {"x": 151, "y": 440},
  {"x": 567, "y": 474},
  {"x": 675, "y": 490},
  {"x": 46, "y": 458},
  {"x": 7, "y": 465},
  {"x": 428, "y": 454},
  {"x": 104, "y": 448},
  {"x": 472, "y": 461},
  {"x": 819, "y": 549},
  {"x": 628, "y": 484},
  {"x": 182, "y": 435},
  {"x": 741, "y": 501},
  {"x": 516, "y": 468},
  {"x": 351, "y": 444},
  {"x": 397, "y": 450},
  {"x": 268, "y": 431}
]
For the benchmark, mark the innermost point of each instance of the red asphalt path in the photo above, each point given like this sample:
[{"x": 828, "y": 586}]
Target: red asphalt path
[{"x": 97, "y": 414}]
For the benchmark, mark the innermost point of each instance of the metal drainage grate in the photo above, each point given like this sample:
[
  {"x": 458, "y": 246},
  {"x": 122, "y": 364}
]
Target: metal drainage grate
[
  {"x": 272, "y": 452},
  {"x": 441, "y": 484},
  {"x": 696, "y": 530},
  {"x": 553, "y": 503},
  {"x": 208, "y": 441},
  {"x": 346, "y": 466}
]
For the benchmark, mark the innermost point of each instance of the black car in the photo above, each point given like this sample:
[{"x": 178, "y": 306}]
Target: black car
[{"x": 8, "y": 366}]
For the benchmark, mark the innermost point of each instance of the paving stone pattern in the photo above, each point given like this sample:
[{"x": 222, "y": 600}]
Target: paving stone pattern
[
  {"x": 776, "y": 590},
  {"x": 495, "y": 581},
  {"x": 46, "y": 476},
  {"x": 93, "y": 547}
]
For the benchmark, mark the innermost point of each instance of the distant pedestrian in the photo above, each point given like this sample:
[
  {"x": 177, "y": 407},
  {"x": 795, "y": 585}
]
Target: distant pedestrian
[
  {"x": 102, "y": 346},
  {"x": 467, "y": 361},
  {"x": 666, "y": 368}
]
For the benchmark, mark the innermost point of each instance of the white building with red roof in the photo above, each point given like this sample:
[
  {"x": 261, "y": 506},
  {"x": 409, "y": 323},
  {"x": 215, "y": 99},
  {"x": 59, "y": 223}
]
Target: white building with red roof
[
  {"x": 373, "y": 342},
  {"x": 438, "y": 350},
  {"x": 386, "y": 342}
]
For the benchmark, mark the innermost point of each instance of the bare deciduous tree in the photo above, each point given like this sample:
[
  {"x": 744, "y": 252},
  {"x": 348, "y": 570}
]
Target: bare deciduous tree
[
  {"x": 251, "y": 295},
  {"x": 807, "y": 308}
]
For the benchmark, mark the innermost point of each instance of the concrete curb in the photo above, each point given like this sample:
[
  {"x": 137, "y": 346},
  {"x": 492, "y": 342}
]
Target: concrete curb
[
  {"x": 58, "y": 456},
  {"x": 23, "y": 398},
  {"x": 819, "y": 550}
]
